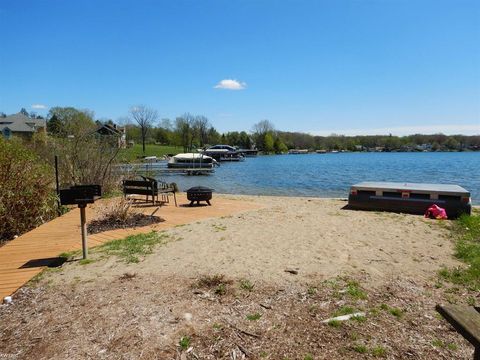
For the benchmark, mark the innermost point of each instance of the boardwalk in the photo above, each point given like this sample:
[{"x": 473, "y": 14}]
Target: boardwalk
[{"x": 23, "y": 258}]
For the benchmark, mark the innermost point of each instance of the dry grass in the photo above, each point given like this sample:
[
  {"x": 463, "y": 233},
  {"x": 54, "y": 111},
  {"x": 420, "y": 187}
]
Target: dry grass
[
  {"x": 159, "y": 316},
  {"x": 119, "y": 213},
  {"x": 118, "y": 210}
]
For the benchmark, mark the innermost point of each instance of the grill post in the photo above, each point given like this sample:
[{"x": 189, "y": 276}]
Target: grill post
[{"x": 83, "y": 223}]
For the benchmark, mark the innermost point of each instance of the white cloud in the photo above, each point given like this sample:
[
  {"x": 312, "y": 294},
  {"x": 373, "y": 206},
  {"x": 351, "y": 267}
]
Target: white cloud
[
  {"x": 230, "y": 84},
  {"x": 447, "y": 129},
  {"x": 38, "y": 107}
]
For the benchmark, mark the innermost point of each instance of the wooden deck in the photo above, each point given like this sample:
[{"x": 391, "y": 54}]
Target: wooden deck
[{"x": 23, "y": 258}]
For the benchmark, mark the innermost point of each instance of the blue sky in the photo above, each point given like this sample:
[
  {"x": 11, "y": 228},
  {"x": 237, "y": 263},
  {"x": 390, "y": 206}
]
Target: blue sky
[{"x": 363, "y": 66}]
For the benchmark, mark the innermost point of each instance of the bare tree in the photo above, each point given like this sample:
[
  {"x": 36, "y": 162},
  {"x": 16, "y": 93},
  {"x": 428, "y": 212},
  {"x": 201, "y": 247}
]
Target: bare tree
[
  {"x": 263, "y": 127},
  {"x": 260, "y": 130},
  {"x": 201, "y": 125},
  {"x": 145, "y": 117},
  {"x": 166, "y": 124}
]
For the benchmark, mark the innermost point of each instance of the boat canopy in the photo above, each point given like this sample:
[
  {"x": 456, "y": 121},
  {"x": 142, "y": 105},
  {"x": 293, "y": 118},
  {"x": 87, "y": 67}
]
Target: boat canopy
[{"x": 192, "y": 156}]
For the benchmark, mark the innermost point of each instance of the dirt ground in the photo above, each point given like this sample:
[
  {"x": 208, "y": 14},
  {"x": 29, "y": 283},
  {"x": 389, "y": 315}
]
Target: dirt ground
[{"x": 338, "y": 261}]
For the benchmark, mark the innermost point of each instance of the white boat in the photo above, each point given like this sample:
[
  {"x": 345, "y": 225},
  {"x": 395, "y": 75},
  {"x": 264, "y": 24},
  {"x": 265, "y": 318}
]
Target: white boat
[
  {"x": 191, "y": 160},
  {"x": 150, "y": 159}
]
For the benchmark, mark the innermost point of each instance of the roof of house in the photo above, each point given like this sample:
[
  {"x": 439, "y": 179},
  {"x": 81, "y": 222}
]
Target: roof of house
[
  {"x": 107, "y": 129},
  {"x": 21, "y": 123}
]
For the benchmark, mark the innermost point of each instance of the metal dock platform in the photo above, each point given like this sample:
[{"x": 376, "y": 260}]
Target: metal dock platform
[
  {"x": 161, "y": 168},
  {"x": 413, "y": 198}
]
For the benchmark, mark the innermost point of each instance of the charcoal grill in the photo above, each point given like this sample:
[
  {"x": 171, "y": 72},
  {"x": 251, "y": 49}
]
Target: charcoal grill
[
  {"x": 199, "y": 193},
  {"x": 81, "y": 195}
]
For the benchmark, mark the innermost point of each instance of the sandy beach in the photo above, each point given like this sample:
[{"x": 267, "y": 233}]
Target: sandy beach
[
  {"x": 283, "y": 248},
  {"x": 316, "y": 237}
]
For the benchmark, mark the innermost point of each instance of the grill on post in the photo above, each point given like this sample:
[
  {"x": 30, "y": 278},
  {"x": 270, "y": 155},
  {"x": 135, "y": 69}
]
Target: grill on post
[
  {"x": 199, "y": 193},
  {"x": 81, "y": 195}
]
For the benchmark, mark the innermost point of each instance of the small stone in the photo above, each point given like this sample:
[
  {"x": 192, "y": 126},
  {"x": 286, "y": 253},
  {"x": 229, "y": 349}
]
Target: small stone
[
  {"x": 188, "y": 316},
  {"x": 7, "y": 300}
]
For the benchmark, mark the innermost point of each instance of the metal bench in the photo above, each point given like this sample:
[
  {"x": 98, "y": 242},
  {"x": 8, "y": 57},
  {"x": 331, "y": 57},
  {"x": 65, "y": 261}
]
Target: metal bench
[
  {"x": 149, "y": 187},
  {"x": 141, "y": 187},
  {"x": 466, "y": 320},
  {"x": 163, "y": 189}
]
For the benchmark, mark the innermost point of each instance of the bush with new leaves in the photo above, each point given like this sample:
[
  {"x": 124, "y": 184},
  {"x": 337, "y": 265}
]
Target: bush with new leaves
[{"x": 27, "y": 196}]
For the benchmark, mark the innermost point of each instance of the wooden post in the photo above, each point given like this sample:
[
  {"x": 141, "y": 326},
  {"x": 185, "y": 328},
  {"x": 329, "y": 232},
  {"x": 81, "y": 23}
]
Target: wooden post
[
  {"x": 466, "y": 320},
  {"x": 58, "y": 187},
  {"x": 83, "y": 222}
]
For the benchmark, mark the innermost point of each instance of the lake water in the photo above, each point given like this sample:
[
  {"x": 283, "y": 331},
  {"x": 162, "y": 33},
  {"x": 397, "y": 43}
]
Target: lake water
[{"x": 330, "y": 175}]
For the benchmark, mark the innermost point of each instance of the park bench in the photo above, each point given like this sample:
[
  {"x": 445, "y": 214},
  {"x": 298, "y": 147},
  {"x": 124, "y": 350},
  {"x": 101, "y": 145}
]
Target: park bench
[
  {"x": 466, "y": 320},
  {"x": 150, "y": 188}
]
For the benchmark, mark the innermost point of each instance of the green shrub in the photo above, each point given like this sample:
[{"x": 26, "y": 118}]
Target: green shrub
[{"x": 27, "y": 197}]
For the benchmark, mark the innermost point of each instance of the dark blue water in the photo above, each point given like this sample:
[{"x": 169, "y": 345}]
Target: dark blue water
[{"x": 330, "y": 175}]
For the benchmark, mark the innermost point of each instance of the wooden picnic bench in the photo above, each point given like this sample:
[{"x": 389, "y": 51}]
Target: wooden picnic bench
[
  {"x": 466, "y": 320},
  {"x": 149, "y": 187}
]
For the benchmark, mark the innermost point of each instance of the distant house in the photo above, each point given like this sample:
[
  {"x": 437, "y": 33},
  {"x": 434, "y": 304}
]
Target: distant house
[
  {"x": 114, "y": 130},
  {"x": 21, "y": 125}
]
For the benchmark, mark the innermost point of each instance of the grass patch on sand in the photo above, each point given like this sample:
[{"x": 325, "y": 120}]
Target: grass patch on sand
[
  {"x": 379, "y": 351},
  {"x": 355, "y": 291},
  {"x": 246, "y": 284},
  {"x": 398, "y": 313},
  {"x": 335, "y": 323},
  {"x": 254, "y": 317},
  {"x": 42, "y": 274},
  {"x": 361, "y": 349},
  {"x": 440, "y": 344},
  {"x": 70, "y": 254},
  {"x": 466, "y": 230},
  {"x": 344, "y": 310},
  {"x": 184, "y": 342},
  {"x": 133, "y": 247},
  {"x": 86, "y": 261},
  {"x": 376, "y": 351}
]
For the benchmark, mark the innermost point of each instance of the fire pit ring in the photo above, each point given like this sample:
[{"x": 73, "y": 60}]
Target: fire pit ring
[{"x": 199, "y": 193}]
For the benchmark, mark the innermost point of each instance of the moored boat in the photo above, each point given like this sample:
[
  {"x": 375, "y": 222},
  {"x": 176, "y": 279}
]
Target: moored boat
[
  {"x": 248, "y": 152},
  {"x": 224, "y": 153},
  {"x": 191, "y": 160}
]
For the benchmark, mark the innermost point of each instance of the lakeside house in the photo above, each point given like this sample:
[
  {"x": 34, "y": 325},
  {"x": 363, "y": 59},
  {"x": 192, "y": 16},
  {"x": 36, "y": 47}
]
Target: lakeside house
[
  {"x": 21, "y": 125},
  {"x": 116, "y": 131}
]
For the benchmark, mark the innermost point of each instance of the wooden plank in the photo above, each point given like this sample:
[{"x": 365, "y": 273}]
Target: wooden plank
[{"x": 465, "y": 319}]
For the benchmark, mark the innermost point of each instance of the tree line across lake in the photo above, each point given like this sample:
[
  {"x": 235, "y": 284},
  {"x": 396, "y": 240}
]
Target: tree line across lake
[
  {"x": 190, "y": 132},
  {"x": 143, "y": 125}
]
